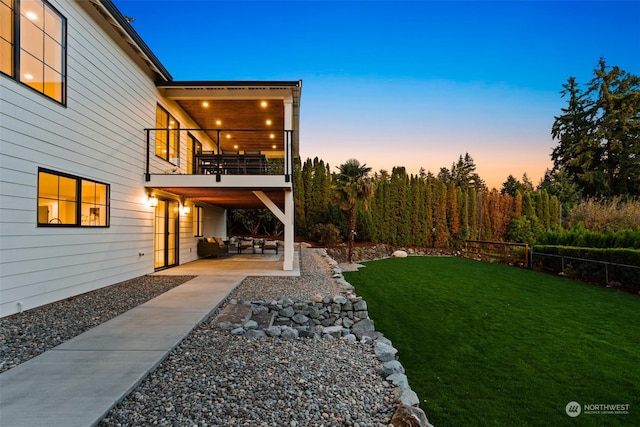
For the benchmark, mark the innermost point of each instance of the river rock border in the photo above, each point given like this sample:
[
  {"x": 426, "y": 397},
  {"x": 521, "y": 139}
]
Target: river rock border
[{"x": 322, "y": 317}]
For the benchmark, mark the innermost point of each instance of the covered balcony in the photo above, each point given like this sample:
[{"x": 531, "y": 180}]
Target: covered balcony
[{"x": 228, "y": 144}]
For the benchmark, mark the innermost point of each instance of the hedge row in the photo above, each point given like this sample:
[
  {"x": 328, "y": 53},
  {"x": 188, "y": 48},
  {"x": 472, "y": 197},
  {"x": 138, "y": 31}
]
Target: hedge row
[
  {"x": 585, "y": 269},
  {"x": 581, "y": 237}
]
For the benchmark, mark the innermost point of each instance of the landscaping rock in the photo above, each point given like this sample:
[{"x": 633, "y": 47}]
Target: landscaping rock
[
  {"x": 360, "y": 305},
  {"x": 408, "y": 397},
  {"x": 255, "y": 333},
  {"x": 274, "y": 331},
  {"x": 409, "y": 416},
  {"x": 250, "y": 324},
  {"x": 335, "y": 331},
  {"x": 359, "y": 329},
  {"x": 399, "y": 380},
  {"x": 287, "y": 312},
  {"x": 392, "y": 367},
  {"x": 384, "y": 352},
  {"x": 290, "y": 333},
  {"x": 300, "y": 319}
]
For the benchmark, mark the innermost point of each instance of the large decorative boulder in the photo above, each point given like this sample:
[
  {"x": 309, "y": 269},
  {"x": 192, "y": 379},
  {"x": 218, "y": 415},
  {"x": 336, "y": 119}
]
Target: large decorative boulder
[
  {"x": 399, "y": 254},
  {"x": 409, "y": 416}
]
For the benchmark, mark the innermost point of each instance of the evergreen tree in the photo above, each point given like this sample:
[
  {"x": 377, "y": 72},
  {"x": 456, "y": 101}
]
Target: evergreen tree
[
  {"x": 617, "y": 128},
  {"x": 528, "y": 208},
  {"x": 510, "y": 186},
  {"x": 463, "y": 196},
  {"x": 517, "y": 205},
  {"x": 599, "y": 133},
  {"x": 557, "y": 183},
  {"x": 487, "y": 232},
  {"x": 554, "y": 212},
  {"x": 299, "y": 199},
  {"x": 400, "y": 208},
  {"x": 545, "y": 219},
  {"x": 419, "y": 217},
  {"x": 473, "y": 214},
  {"x": 501, "y": 212},
  {"x": 440, "y": 226},
  {"x": 320, "y": 193},
  {"x": 463, "y": 173},
  {"x": 453, "y": 214},
  {"x": 428, "y": 207},
  {"x": 577, "y": 152},
  {"x": 307, "y": 178}
]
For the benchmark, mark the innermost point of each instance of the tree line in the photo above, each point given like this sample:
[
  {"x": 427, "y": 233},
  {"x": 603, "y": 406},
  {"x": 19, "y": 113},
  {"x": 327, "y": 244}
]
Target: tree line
[{"x": 420, "y": 210}]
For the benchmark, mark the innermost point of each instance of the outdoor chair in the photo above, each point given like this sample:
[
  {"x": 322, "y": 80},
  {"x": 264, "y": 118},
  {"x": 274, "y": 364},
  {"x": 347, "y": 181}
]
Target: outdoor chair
[{"x": 270, "y": 245}]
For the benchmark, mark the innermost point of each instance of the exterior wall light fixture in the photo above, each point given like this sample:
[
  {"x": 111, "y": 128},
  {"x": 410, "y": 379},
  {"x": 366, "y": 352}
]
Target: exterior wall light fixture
[
  {"x": 152, "y": 201},
  {"x": 184, "y": 209}
]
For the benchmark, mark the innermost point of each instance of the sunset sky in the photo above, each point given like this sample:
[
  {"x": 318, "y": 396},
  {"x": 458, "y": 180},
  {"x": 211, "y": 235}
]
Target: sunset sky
[{"x": 412, "y": 84}]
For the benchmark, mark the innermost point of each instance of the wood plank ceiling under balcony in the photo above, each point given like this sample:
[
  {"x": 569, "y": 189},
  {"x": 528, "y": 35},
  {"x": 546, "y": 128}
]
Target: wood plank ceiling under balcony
[
  {"x": 228, "y": 198},
  {"x": 247, "y": 125}
]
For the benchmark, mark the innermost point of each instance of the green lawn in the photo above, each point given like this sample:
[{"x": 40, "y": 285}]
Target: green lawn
[{"x": 487, "y": 344}]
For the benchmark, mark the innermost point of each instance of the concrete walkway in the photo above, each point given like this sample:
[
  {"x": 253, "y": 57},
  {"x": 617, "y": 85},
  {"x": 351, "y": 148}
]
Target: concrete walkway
[{"x": 77, "y": 383}]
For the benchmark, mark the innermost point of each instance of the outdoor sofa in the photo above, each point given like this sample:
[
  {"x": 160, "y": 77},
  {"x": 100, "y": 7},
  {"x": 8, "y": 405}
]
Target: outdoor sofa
[{"x": 212, "y": 246}]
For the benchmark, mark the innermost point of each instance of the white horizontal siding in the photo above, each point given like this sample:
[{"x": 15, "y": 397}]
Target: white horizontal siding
[
  {"x": 98, "y": 135},
  {"x": 188, "y": 243}
]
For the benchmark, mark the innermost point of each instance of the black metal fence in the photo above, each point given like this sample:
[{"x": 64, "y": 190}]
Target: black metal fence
[{"x": 589, "y": 270}]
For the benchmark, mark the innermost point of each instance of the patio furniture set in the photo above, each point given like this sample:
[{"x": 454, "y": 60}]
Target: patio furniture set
[
  {"x": 255, "y": 245},
  {"x": 215, "y": 246}
]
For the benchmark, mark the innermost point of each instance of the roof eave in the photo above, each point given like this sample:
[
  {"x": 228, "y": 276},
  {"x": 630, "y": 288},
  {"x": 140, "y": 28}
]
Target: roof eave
[
  {"x": 136, "y": 39},
  {"x": 231, "y": 83}
]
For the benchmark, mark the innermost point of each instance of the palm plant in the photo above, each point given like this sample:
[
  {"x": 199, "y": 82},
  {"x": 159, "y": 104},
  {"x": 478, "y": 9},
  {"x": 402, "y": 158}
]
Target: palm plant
[{"x": 352, "y": 186}]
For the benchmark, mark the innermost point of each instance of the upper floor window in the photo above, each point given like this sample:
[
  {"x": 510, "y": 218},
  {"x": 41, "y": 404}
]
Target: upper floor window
[
  {"x": 167, "y": 136},
  {"x": 6, "y": 36},
  {"x": 66, "y": 200},
  {"x": 33, "y": 46}
]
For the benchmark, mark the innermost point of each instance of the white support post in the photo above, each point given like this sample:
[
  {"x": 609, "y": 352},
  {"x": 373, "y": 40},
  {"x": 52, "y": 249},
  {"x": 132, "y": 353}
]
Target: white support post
[
  {"x": 288, "y": 230},
  {"x": 288, "y": 125},
  {"x": 287, "y": 219}
]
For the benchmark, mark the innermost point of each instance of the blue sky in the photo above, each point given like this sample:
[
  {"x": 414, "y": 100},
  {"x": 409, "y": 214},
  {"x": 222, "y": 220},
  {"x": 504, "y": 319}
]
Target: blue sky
[{"x": 412, "y": 84}]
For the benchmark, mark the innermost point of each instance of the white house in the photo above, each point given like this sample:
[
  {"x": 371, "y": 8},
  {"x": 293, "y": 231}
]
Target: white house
[{"x": 109, "y": 169}]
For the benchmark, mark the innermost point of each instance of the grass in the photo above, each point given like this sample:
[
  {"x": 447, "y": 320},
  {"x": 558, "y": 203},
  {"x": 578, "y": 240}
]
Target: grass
[{"x": 487, "y": 344}]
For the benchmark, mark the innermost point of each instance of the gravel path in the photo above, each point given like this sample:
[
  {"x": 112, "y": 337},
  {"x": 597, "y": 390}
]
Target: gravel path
[{"x": 214, "y": 378}]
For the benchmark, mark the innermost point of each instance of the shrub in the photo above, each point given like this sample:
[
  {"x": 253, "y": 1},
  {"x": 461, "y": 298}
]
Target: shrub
[
  {"x": 524, "y": 230},
  {"x": 578, "y": 263},
  {"x": 325, "y": 234},
  {"x": 605, "y": 215},
  {"x": 580, "y": 236}
]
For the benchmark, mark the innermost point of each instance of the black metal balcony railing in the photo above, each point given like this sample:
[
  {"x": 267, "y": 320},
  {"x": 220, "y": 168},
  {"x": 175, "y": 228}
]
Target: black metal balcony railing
[{"x": 267, "y": 152}]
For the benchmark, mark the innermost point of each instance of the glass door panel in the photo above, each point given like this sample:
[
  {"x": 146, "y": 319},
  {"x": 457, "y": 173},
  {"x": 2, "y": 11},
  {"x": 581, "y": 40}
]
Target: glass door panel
[{"x": 165, "y": 240}]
